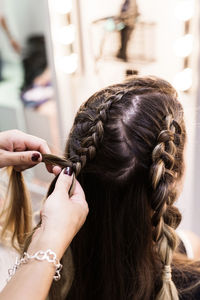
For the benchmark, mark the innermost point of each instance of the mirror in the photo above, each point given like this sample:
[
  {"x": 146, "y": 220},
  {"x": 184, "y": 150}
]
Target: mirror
[
  {"x": 55, "y": 53},
  {"x": 27, "y": 95},
  {"x": 124, "y": 35}
]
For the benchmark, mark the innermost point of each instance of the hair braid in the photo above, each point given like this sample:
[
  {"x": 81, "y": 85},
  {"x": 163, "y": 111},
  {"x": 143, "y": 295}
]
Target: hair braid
[
  {"x": 88, "y": 130},
  {"x": 86, "y": 133},
  {"x": 163, "y": 173}
]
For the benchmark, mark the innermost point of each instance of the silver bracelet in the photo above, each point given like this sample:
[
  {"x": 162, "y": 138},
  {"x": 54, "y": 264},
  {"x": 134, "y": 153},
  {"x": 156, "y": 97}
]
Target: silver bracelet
[{"x": 48, "y": 255}]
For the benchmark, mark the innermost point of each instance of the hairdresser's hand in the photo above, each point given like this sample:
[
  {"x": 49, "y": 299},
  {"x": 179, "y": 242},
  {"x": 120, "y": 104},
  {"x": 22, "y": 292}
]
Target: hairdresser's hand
[
  {"x": 21, "y": 150},
  {"x": 62, "y": 217}
]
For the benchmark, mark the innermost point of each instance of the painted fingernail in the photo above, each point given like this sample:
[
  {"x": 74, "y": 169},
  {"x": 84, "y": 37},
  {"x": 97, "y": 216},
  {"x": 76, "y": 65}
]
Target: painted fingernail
[
  {"x": 68, "y": 171},
  {"x": 35, "y": 157}
]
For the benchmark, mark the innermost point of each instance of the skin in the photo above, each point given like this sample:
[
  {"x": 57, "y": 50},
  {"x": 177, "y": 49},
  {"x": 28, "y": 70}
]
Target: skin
[
  {"x": 16, "y": 47},
  {"x": 56, "y": 233},
  {"x": 17, "y": 148},
  {"x": 62, "y": 217}
]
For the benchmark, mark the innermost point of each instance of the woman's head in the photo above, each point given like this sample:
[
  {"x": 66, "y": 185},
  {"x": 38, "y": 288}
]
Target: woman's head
[
  {"x": 130, "y": 126},
  {"x": 126, "y": 145},
  {"x": 130, "y": 131}
]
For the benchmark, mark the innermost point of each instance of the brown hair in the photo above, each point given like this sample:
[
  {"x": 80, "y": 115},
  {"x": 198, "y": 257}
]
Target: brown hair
[
  {"x": 17, "y": 211},
  {"x": 126, "y": 147}
]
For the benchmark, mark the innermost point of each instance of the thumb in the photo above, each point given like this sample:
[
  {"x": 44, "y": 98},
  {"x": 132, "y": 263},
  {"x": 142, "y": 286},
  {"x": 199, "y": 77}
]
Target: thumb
[
  {"x": 64, "y": 181},
  {"x": 25, "y": 158}
]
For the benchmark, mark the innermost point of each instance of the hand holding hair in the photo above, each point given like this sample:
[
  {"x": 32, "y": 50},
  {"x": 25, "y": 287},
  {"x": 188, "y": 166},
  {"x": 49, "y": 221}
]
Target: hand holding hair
[
  {"x": 23, "y": 151},
  {"x": 62, "y": 215},
  {"x": 61, "y": 218}
]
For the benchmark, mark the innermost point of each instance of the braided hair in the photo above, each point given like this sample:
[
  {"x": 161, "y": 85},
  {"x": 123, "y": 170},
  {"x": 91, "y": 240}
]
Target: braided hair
[
  {"x": 88, "y": 129},
  {"x": 164, "y": 171},
  {"x": 126, "y": 146},
  {"x": 126, "y": 149}
]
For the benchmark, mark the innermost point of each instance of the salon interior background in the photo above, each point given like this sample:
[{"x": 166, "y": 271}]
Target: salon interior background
[{"x": 82, "y": 40}]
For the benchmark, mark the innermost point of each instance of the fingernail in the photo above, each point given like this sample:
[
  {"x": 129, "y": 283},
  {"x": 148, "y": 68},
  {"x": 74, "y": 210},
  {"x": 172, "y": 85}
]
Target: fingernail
[
  {"x": 68, "y": 171},
  {"x": 35, "y": 156}
]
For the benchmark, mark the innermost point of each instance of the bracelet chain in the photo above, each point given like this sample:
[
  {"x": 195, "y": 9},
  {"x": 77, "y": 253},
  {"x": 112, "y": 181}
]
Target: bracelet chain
[{"x": 48, "y": 255}]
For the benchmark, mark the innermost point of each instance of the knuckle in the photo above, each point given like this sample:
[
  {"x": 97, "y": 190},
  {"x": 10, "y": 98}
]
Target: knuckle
[
  {"x": 16, "y": 131},
  {"x": 22, "y": 158},
  {"x": 15, "y": 135}
]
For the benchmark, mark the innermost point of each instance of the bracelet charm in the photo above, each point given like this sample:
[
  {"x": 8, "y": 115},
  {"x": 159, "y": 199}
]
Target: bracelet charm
[{"x": 40, "y": 255}]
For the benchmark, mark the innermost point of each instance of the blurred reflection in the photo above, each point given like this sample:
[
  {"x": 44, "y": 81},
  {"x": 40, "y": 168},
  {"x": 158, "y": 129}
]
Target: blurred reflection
[
  {"x": 128, "y": 16},
  {"x": 27, "y": 99},
  {"x": 35, "y": 77},
  {"x": 4, "y": 26},
  {"x": 126, "y": 35},
  {"x": 37, "y": 87}
]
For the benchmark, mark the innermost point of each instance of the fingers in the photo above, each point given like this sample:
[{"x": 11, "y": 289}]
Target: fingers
[
  {"x": 22, "y": 160},
  {"x": 64, "y": 180},
  {"x": 40, "y": 145},
  {"x": 53, "y": 169},
  {"x": 64, "y": 183},
  {"x": 17, "y": 149},
  {"x": 78, "y": 194},
  {"x": 56, "y": 170},
  {"x": 17, "y": 141},
  {"x": 35, "y": 143}
]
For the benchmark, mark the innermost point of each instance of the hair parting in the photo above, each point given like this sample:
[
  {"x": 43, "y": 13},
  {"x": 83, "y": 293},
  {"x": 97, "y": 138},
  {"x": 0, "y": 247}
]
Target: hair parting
[{"x": 126, "y": 148}]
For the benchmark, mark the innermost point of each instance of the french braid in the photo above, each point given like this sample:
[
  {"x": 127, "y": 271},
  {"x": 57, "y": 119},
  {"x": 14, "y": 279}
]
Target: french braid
[
  {"x": 88, "y": 130},
  {"x": 163, "y": 174}
]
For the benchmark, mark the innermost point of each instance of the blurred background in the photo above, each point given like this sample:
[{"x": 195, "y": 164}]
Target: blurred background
[{"x": 55, "y": 53}]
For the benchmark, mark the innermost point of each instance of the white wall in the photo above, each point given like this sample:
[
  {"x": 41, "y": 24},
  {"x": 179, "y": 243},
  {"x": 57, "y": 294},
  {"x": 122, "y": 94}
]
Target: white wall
[
  {"x": 24, "y": 17},
  {"x": 168, "y": 29}
]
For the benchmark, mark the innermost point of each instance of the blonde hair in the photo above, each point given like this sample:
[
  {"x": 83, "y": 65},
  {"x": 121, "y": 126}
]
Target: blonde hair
[{"x": 16, "y": 214}]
